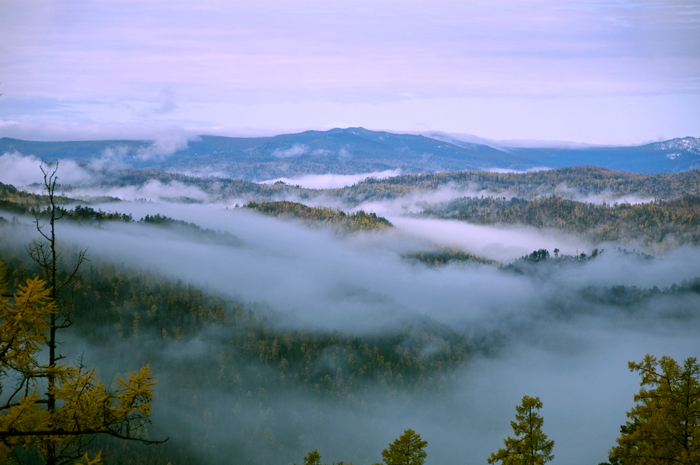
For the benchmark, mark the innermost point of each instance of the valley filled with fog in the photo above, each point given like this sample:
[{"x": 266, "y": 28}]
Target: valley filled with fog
[
  {"x": 337, "y": 232},
  {"x": 468, "y": 338}
]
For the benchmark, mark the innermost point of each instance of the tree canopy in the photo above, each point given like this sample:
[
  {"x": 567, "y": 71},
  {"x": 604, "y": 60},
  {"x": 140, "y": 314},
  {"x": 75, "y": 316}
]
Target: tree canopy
[
  {"x": 664, "y": 426},
  {"x": 530, "y": 445},
  {"x": 49, "y": 407},
  {"x": 409, "y": 449},
  {"x": 84, "y": 406}
]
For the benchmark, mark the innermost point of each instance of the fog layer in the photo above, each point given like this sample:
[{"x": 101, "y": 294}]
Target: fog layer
[{"x": 548, "y": 336}]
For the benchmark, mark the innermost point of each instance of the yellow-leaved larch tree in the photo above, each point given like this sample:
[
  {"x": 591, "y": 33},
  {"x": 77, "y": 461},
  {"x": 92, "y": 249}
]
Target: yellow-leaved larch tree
[{"x": 50, "y": 407}]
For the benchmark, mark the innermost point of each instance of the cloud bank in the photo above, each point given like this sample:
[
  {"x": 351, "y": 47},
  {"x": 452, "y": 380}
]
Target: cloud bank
[
  {"x": 332, "y": 181},
  {"x": 551, "y": 341}
]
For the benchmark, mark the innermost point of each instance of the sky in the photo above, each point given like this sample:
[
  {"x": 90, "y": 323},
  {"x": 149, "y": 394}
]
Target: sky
[{"x": 599, "y": 72}]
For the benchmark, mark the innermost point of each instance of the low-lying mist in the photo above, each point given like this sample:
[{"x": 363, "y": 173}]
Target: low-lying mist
[
  {"x": 332, "y": 181},
  {"x": 562, "y": 333}
]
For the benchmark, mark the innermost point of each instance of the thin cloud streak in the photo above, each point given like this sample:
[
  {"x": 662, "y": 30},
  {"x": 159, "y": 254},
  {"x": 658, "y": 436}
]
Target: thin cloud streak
[{"x": 382, "y": 65}]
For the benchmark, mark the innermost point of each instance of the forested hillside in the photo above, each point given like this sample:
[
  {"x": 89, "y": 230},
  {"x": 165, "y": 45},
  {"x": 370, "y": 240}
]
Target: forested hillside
[
  {"x": 569, "y": 183},
  {"x": 357, "y": 150},
  {"x": 676, "y": 220},
  {"x": 249, "y": 358},
  {"x": 583, "y": 180},
  {"x": 357, "y": 221},
  {"x": 241, "y": 377},
  {"x": 445, "y": 256}
]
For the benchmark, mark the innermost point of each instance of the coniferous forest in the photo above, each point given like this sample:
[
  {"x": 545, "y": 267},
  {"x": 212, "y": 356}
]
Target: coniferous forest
[
  {"x": 234, "y": 374},
  {"x": 317, "y": 232}
]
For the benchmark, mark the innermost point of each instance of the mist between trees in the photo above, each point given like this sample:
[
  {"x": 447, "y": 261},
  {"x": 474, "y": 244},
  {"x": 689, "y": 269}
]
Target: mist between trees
[
  {"x": 589, "y": 184},
  {"x": 270, "y": 339},
  {"x": 243, "y": 384}
]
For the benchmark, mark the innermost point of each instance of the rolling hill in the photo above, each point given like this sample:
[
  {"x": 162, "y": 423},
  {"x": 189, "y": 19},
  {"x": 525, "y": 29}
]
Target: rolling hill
[{"x": 354, "y": 151}]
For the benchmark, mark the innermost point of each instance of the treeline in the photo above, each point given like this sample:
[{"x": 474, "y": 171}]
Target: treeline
[
  {"x": 253, "y": 362},
  {"x": 17, "y": 202},
  {"x": 628, "y": 299},
  {"x": 664, "y": 425},
  {"x": 216, "y": 188},
  {"x": 11, "y": 196},
  {"x": 653, "y": 222},
  {"x": 357, "y": 221},
  {"x": 88, "y": 215},
  {"x": 583, "y": 180},
  {"x": 82, "y": 213},
  {"x": 35, "y": 204},
  {"x": 247, "y": 360},
  {"x": 446, "y": 256}
]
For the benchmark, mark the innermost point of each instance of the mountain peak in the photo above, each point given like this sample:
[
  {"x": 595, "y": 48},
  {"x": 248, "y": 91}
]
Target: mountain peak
[{"x": 691, "y": 144}]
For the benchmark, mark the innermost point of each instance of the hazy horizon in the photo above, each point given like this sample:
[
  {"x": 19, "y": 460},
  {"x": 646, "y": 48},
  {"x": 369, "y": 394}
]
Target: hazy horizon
[
  {"x": 620, "y": 72},
  {"x": 284, "y": 301}
]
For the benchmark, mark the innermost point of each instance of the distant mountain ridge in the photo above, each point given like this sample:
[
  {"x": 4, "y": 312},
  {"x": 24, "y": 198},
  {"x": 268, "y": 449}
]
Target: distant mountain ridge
[
  {"x": 671, "y": 156},
  {"x": 354, "y": 151}
]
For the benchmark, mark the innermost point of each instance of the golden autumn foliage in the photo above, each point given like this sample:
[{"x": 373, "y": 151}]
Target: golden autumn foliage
[
  {"x": 664, "y": 424},
  {"x": 351, "y": 222},
  {"x": 83, "y": 405}
]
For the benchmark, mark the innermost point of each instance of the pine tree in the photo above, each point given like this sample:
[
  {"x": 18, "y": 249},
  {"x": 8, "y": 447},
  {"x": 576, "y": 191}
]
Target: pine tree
[
  {"x": 408, "y": 449},
  {"x": 664, "y": 426},
  {"x": 530, "y": 445},
  {"x": 314, "y": 458}
]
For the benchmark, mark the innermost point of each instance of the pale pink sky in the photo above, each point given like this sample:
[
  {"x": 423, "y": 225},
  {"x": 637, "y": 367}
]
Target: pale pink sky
[{"x": 589, "y": 71}]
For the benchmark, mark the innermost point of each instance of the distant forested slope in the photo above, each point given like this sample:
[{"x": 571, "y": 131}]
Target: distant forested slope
[
  {"x": 360, "y": 220},
  {"x": 583, "y": 180},
  {"x": 565, "y": 182},
  {"x": 677, "y": 220},
  {"x": 353, "y": 151}
]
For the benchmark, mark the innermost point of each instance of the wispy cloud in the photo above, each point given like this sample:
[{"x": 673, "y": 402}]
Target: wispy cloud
[
  {"x": 332, "y": 181},
  {"x": 305, "y": 64},
  {"x": 293, "y": 151},
  {"x": 20, "y": 170}
]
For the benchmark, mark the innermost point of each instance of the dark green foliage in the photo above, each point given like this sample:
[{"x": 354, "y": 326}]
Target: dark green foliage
[
  {"x": 247, "y": 359},
  {"x": 13, "y": 195},
  {"x": 652, "y": 222},
  {"x": 81, "y": 213},
  {"x": 19, "y": 202},
  {"x": 314, "y": 458},
  {"x": 447, "y": 255},
  {"x": 409, "y": 449},
  {"x": 360, "y": 220},
  {"x": 530, "y": 445},
  {"x": 531, "y": 262},
  {"x": 162, "y": 220},
  {"x": 585, "y": 179},
  {"x": 537, "y": 256}
]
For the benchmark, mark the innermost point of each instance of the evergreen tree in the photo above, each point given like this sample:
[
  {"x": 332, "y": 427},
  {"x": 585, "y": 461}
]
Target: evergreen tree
[
  {"x": 409, "y": 449},
  {"x": 664, "y": 426},
  {"x": 312, "y": 458},
  {"x": 530, "y": 445}
]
